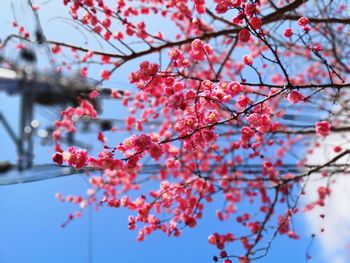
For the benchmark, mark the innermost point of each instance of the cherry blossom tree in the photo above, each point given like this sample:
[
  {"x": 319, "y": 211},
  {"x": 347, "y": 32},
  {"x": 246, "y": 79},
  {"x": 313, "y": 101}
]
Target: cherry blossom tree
[{"x": 224, "y": 103}]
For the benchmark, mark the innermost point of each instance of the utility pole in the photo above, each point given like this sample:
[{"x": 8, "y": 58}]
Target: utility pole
[{"x": 34, "y": 88}]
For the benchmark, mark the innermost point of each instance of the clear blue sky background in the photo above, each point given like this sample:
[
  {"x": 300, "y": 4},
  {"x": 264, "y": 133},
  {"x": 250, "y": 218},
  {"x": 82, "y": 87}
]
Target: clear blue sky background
[{"x": 30, "y": 216}]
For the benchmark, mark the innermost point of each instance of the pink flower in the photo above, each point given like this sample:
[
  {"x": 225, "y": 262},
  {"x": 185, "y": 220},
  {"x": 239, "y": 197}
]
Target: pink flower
[
  {"x": 234, "y": 88},
  {"x": 105, "y": 59},
  {"x": 56, "y": 49},
  {"x": 255, "y": 23},
  {"x": 248, "y": 60},
  {"x": 190, "y": 221},
  {"x": 243, "y": 101},
  {"x": 130, "y": 122},
  {"x": 197, "y": 49},
  {"x": 294, "y": 96},
  {"x": 155, "y": 151},
  {"x": 207, "y": 85},
  {"x": 177, "y": 101},
  {"x": 212, "y": 116},
  {"x": 101, "y": 137},
  {"x": 76, "y": 158},
  {"x": 254, "y": 120},
  {"x": 337, "y": 149},
  {"x": 142, "y": 142},
  {"x": 208, "y": 135},
  {"x": 247, "y": 133},
  {"x": 323, "y": 192},
  {"x": 105, "y": 74},
  {"x": 175, "y": 54},
  {"x": 118, "y": 35},
  {"x": 106, "y": 22},
  {"x": 199, "y": 6},
  {"x": 84, "y": 72},
  {"x": 283, "y": 223},
  {"x": 178, "y": 86},
  {"x": 288, "y": 32},
  {"x": 58, "y": 158},
  {"x": 94, "y": 94},
  {"x": 318, "y": 47},
  {"x": 250, "y": 9},
  {"x": 86, "y": 108},
  {"x": 323, "y": 128},
  {"x": 235, "y": 3},
  {"x": 303, "y": 21},
  {"x": 212, "y": 240},
  {"x": 244, "y": 35}
]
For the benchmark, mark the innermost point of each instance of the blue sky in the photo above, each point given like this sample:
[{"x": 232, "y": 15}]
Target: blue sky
[{"x": 30, "y": 216}]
